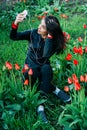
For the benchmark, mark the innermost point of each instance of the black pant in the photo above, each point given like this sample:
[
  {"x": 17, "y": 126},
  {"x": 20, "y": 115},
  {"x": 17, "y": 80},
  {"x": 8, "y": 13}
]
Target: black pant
[{"x": 44, "y": 75}]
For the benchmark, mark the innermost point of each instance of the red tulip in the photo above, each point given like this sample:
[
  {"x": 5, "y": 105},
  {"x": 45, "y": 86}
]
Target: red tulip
[
  {"x": 39, "y": 17},
  {"x": 86, "y": 49},
  {"x": 70, "y": 80},
  {"x": 85, "y": 77},
  {"x": 8, "y": 65},
  {"x": 45, "y": 12},
  {"x": 17, "y": 67},
  {"x": 26, "y": 67},
  {"x": 77, "y": 86},
  {"x": 68, "y": 57},
  {"x": 68, "y": 37},
  {"x": 84, "y": 26},
  {"x": 23, "y": 70},
  {"x": 75, "y": 79},
  {"x": 75, "y": 62},
  {"x": 33, "y": 20},
  {"x": 64, "y": 16},
  {"x": 66, "y": 89},
  {"x": 80, "y": 39},
  {"x": 26, "y": 82},
  {"x": 75, "y": 49},
  {"x": 82, "y": 78},
  {"x": 30, "y": 72},
  {"x": 80, "y": 51},
  {"x": 43, "y": 16},
  {"x": 65, "y": 34}
]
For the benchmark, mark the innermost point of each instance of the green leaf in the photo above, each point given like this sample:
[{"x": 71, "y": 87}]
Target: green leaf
[
  {"x": 75, "y": 122},
  {"x": 67, "y": 128},
  {"x": 73, "y": 109},
  {"x": 85, "y": 114},
  {"x": 1, "y": 104},
  {"x": 3, "y": 116},
  {"x": 85, "y": 123},
  {"x": 15, "y": 107},
  {"x": 5, "y": 126},
  {"x": 68, "y": 116},
  {"x": 35, "y": 125}
]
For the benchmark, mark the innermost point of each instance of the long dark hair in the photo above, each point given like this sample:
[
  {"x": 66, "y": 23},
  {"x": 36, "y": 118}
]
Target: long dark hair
[{"x": 54, "y": 29}]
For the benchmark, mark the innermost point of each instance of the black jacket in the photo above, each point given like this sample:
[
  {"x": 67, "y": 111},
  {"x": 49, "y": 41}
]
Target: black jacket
[{"x": 39, "y": 50}]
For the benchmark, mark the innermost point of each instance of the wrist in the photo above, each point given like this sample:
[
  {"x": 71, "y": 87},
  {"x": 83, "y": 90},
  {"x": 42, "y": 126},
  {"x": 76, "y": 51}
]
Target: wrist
[
  {"x": 49, "y": 36},
  {"x": 15, "y": 22},
  {"x": 14, "y": 25}
]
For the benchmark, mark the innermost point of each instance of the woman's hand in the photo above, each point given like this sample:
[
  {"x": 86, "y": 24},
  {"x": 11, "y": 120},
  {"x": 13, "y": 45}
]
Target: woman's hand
[{"x": 20, "y": 17}]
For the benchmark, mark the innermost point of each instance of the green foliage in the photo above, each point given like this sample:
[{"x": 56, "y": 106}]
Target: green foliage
[
  {"x": 36, "y": 8},
  {"x": 74, "y": 115},
  {"x": 18, "y": 103},
  {"x": 41, "y": 3},
  {"x": 84, "y": 9}
]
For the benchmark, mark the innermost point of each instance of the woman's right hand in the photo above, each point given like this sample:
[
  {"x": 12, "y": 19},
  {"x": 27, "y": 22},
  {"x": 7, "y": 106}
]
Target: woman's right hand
[{"x": 20, "y": 17}]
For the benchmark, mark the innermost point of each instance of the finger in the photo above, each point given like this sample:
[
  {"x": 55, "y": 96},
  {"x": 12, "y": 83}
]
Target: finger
[
  {"x": 22, "y": 13},
  {"x": 22, "y": 17},
  {"x": 19, "y": 19}
]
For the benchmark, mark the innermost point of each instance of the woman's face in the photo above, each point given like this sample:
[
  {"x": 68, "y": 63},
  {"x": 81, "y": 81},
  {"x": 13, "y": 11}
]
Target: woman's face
[{"x": 42, "y": 28}]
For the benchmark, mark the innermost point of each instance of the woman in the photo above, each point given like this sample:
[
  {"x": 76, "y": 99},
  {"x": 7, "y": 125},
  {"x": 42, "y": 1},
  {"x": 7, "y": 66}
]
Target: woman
[{"x": 43, "y": 43}]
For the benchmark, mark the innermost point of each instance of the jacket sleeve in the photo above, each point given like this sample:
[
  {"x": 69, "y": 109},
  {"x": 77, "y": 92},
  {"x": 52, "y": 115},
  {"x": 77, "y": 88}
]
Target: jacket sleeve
[
  {"x": 14, "y": 35},
  {"x": 48, "y": 48}
]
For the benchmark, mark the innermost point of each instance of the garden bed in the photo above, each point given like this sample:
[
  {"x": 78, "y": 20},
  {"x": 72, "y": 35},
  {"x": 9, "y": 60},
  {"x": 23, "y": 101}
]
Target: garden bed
[{"x": 17, "y": 102}]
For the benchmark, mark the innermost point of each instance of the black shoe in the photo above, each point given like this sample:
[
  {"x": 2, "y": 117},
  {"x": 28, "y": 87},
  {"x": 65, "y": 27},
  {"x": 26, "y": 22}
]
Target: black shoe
[
  {"x": 63, "y": 96},
  {"x": 42, "y": 116}
]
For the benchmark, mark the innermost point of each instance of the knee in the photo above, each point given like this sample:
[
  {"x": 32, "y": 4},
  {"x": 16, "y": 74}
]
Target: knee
[{"x": 46, "y": 69}]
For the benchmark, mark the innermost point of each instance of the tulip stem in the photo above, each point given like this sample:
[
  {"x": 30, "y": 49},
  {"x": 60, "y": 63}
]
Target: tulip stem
[{"x": 30, "y": 82}]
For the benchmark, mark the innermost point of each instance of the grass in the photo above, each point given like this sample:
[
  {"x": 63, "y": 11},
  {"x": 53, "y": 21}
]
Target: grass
[{"x": 15, "y": 52}]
